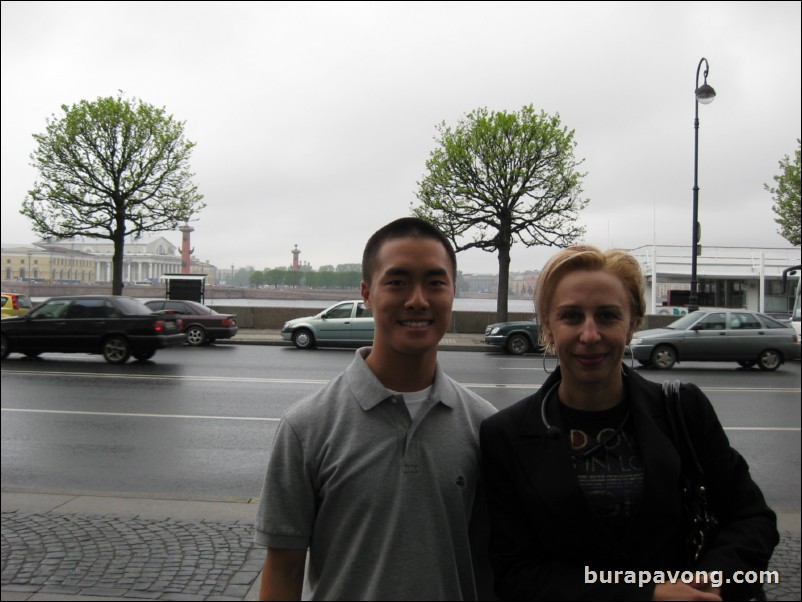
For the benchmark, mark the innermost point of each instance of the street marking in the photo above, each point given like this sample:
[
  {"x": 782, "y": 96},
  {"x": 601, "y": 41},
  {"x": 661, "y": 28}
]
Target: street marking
[
  {"x": 135, "y": 415},
  {"x": 762, "y": 428},
  {"x": 707, "y": 389},
  {"x": 170, "y": 377},
  {"x": 263, "y": 419},
  {"x": 302, "y": 381}
]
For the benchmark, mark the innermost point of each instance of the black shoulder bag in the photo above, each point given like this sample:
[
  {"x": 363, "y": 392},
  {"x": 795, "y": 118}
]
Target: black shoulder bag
[{"x": 701, "y": 525}]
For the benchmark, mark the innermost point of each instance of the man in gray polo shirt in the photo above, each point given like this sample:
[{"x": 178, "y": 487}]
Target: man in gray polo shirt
[{"x": 377, "y": 473}]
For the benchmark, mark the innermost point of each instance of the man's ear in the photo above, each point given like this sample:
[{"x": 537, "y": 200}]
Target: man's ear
[{"x": 364, "y": 289}]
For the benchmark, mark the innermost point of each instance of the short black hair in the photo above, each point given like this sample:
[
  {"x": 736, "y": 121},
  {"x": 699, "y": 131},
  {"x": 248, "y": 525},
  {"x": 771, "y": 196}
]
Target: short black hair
[{"x": 405, "y": 227}]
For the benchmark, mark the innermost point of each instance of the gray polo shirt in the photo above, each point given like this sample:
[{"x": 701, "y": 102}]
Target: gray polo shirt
[{"x": 382, "y": 502}]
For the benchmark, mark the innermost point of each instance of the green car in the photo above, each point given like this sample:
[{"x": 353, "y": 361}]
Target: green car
[
  {"x": 515, "y": 337},
  {"x": 345, "y": 323}
]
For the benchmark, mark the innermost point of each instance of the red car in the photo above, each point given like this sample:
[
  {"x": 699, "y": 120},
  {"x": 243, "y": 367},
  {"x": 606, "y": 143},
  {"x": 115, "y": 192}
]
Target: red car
[{"x": 202, "y": 324}]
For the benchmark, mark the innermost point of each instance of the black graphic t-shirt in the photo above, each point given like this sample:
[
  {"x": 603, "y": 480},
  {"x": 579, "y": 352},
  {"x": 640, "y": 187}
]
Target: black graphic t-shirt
[{"x": 607, "y": 462}]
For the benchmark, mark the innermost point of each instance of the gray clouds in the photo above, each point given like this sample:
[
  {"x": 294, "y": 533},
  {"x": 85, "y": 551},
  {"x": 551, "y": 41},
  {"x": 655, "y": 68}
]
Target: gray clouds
[{"x": 313, "y": 121}]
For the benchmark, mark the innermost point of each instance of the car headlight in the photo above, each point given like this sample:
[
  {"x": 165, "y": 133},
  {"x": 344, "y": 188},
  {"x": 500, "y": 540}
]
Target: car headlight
[
  {"x": 637, "y": 342},
  {"x": 495, "y": 330}
]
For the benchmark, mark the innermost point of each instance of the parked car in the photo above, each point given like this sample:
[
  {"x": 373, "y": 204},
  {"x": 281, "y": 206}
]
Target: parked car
[
  {"x": 202, "y": 324},
  {"x": 345, "y": 323},
  {"x": 15, "y": 305},
  {"x": 515, "y": 337},
  {"x": 748, "y": 338},
  {"x": 116, "y": 327}
]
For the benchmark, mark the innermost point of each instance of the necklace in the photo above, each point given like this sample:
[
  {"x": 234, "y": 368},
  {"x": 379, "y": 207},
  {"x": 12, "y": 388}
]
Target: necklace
[{"x": 603, "y": 441}]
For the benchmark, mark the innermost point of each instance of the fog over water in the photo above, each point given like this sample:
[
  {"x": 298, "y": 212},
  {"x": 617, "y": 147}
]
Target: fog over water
[{"x": 489, "y": 305}]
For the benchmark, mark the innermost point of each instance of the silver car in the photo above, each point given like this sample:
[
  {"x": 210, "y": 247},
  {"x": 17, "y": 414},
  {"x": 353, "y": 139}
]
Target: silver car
[
  {"x": 346, "y": 323},
  {"x": 725, "y": 335}
]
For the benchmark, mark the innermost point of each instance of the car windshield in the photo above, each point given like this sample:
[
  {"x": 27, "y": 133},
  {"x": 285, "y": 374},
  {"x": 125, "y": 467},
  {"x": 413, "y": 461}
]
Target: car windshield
[
  {"x": 52, "y": 308},
  {"x": 340, "y": 311},
  {"x": 199, "y": 308},
  {"x": 770, "y": 322},
  {"x": 686, "y": 321},
  {"x": 133, "y": 307},
  {"x": 203, "y": 308}
]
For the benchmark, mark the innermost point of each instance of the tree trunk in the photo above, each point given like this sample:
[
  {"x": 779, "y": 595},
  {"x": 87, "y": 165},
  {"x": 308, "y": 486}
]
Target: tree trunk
[
  {"x": 117, "y": 262},
  {"x": 503, "y": 284}
]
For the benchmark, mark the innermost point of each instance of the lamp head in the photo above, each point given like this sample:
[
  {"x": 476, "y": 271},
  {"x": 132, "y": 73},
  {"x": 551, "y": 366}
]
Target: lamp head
[{"x": 705, "y": 93}]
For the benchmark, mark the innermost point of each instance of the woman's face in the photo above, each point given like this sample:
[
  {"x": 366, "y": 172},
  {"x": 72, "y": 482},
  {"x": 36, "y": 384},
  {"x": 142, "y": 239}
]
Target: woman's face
[{"x": 590, "y": 324}]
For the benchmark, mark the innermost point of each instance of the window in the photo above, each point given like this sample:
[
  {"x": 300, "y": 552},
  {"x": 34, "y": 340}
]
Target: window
[
  {"x": 363, "y": 312},
  {"x": 714, "y": 321},
  {"x": 744, "y": 321},
  {"x": 177, "y": 306},
  {"x": 89, "y": 308},
  {"x": 51, "y": 309},
  {"x": 341, "y": 311}
]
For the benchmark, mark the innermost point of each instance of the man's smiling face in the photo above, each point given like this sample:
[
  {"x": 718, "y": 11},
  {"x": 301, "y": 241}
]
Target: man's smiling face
[{"x": 411, "y": 294}]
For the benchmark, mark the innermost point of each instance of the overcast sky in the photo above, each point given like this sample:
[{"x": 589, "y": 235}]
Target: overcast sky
[{"x": 314, "y": 121}]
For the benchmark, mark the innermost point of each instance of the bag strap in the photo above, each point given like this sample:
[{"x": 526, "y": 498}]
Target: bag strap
[{"x": 682, "y": 439}]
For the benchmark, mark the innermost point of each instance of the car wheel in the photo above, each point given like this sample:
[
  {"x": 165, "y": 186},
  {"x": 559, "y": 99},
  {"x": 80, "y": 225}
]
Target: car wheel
[
  {"x": 303, "y": 339},
  {"x": 145, "y": 355},
  {"x": 747, "y": 363},
  {"x": 517, "y": 344},
  {"x": 769, "y": 360},
  {"x": 116, "y": 350},
  {"x": 196, "y": 335},
  {"x": 664, "y": 357},
  {"x": 4, "y": 348}
]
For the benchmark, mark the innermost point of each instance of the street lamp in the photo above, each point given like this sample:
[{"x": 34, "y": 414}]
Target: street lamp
[{"x": 704, "y": 94}]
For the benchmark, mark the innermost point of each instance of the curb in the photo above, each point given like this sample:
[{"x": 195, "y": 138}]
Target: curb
[{"x": 253, "y": 339}]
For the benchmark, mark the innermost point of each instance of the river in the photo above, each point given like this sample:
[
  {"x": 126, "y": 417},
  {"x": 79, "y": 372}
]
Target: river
[{"x": 460, "y": 304}]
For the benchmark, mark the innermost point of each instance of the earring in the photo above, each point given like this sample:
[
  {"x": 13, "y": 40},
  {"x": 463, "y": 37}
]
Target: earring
[{"x": 545, "y": 369}]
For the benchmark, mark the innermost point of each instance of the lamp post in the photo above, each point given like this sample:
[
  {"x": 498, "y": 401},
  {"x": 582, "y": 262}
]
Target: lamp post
[{"x": 704, "y": 94}]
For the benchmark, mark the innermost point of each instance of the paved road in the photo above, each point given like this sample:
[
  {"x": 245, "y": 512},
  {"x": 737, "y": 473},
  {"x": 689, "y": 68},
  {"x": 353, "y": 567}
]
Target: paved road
[{"x": 83, "y": 547}]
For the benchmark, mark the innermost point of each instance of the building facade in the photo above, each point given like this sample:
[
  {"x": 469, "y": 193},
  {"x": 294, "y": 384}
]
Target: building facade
[
  {"x": 35, "y": 264},
  {"x": 737, "y": 277},
  {"x": 88, "y": 261}
]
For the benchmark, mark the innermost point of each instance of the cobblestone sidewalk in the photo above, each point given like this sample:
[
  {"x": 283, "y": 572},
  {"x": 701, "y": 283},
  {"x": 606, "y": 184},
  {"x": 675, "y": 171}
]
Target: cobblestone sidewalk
[
  {"x": 108, "y": 556},
  {"x": 786, "y": 560},
  {"x": 73, "y": 554}
]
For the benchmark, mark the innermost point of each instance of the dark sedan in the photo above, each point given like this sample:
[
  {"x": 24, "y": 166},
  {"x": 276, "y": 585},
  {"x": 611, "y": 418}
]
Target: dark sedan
[
  {"x": 748, "y": 338},
  {"x": 202, "y": 324},
  {"x": 115, "y": 327}
]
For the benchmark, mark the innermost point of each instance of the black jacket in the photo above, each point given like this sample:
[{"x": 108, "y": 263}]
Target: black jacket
[{"x": 544, "y": 533}]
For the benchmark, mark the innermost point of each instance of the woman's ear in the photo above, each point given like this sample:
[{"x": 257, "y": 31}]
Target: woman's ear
[
  {"x": 631, "y": 331},
  {"x": 548, "y": 336}
]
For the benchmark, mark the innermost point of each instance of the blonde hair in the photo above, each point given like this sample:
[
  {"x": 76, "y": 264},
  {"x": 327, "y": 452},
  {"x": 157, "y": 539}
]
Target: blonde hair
[{"x": 585, "y": 257}]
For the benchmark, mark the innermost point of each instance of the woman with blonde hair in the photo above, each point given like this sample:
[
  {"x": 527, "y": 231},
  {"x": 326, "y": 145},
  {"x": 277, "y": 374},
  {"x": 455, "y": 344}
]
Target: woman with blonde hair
[{"x": 583, "y": 477}]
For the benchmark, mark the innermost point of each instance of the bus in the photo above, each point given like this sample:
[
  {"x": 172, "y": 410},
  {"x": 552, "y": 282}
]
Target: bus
[{"x": 796, "y": 316}]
